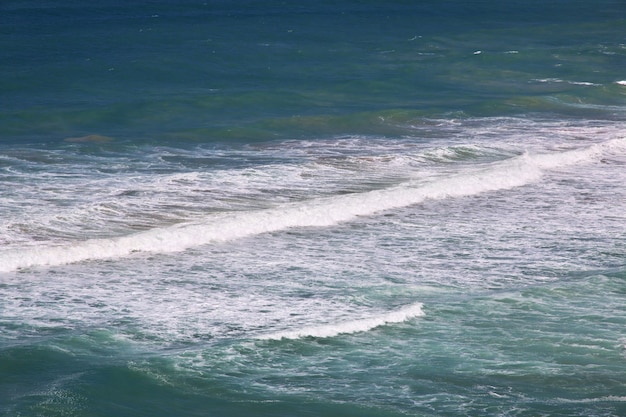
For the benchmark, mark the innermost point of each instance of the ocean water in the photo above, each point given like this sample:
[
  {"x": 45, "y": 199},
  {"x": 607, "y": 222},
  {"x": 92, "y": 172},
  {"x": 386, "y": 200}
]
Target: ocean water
[{"x": 281, "y": 208}]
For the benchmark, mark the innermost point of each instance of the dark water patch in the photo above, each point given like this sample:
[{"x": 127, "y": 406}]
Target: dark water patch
[{"x": 44, "y": 381}]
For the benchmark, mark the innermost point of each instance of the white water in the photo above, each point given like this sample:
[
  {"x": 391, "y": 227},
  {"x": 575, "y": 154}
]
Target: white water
[
  {"x": 320, "y": 212},
  {"x": 352, "y": 326}
]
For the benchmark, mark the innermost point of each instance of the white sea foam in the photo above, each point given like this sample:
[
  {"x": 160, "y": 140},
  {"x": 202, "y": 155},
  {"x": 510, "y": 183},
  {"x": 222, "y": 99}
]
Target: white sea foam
[
  {"x": 321, "y": 212},
  {"x": 576, "y": 156},
  {"x": 548, "y": 80},
  {"x": 586, "y": 83},
  {"x": 352, "y": 326},
  {"x": 558, "y": 80},
  {"x": 607, "y": 399}
]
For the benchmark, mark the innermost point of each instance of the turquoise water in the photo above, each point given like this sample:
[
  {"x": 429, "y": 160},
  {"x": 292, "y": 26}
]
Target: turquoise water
[{"x": 285, "y": 209}]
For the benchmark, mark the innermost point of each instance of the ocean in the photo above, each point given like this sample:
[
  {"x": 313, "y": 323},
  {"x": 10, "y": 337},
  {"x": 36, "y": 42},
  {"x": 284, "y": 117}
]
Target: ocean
[{"x": 283, "y": 208}]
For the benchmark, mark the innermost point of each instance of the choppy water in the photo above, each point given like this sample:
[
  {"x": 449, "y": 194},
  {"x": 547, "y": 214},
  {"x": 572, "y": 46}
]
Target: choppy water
[{"x": 270, "y": 208}]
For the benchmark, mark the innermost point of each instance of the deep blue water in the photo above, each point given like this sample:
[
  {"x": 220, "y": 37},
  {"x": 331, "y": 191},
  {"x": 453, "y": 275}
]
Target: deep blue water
[{"x": 227, "y": 208}]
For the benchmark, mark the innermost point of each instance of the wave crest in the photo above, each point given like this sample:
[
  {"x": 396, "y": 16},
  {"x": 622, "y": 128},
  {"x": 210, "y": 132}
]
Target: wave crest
[{"x": 348, "y": 327}]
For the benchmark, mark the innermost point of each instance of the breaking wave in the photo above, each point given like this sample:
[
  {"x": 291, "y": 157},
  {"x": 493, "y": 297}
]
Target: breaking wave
[
  {"x": 322, "y": 212},
  {"x": 352, "y": 326}
]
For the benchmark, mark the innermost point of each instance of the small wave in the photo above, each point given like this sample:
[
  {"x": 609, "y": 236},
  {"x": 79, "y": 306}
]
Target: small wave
[
  {"x": 608, "y": 398},
  {"x": 347, "y": 327},
  {"x": 322, "y": 212},
  {"x": 558, "y": 80}
]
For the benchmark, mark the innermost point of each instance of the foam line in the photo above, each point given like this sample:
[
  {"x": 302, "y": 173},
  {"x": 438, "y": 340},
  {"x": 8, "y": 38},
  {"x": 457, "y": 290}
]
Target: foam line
[
  {"x": 322, "y": 212},
  {"x": 347, "y": 327}
]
